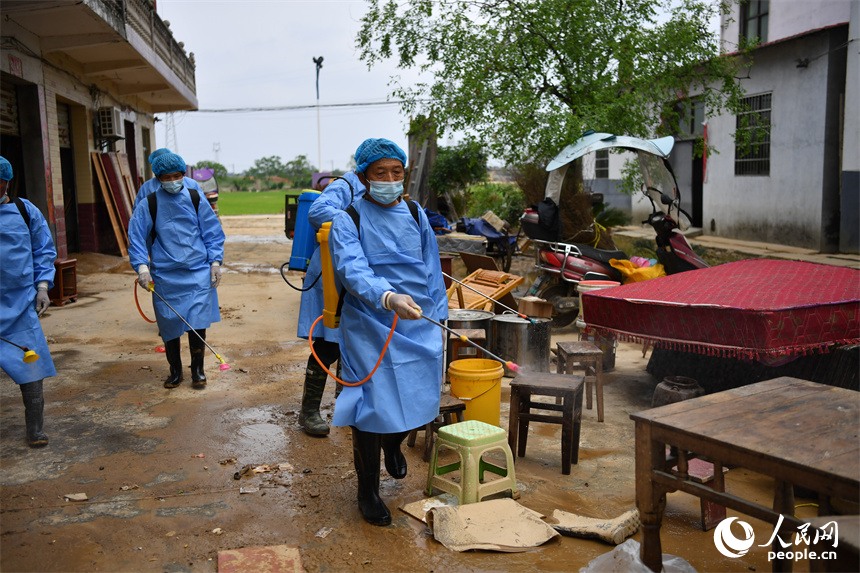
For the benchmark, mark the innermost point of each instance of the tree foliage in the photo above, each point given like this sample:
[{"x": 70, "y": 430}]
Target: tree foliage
[
  {"x": 268, "y": 167},
  {"x": 457, "y": 167},
  {"x": 220, "y": 170},
  {"x": 527, "y": 77},
  {"x": 299, "y": 171}
]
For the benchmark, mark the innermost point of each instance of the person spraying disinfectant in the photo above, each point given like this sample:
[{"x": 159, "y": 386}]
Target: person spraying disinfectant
[
  {"x": 27, "y": 256},
  {"x": 338, "y": 195},
  {"x": 150, "y": 186},
  {"x": 384, "y": 253},
  {"x": 177, "y": 243}
]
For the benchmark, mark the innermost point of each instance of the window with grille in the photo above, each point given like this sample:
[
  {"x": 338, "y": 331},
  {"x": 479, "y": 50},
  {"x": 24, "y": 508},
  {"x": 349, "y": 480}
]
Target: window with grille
[
  {"x": 754, "y": 17},
  {"x": 752, "y": 149},
  {"x": 601, "y": 164}
]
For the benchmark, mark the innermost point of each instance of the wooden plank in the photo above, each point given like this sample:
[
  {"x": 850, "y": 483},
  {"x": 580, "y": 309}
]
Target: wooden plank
[
  {"x": 493, "y": 284},
  {"x": 117, "y": 187},
  {"x": 119, "y": 232},
  {"x": 127, "y": 176}
]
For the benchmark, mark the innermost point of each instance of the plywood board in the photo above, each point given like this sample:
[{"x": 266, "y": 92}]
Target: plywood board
[
  {"x": 127, "y": 176},
  {"x": 117, "y": 187},
  {"x": 118, "y": 230}
]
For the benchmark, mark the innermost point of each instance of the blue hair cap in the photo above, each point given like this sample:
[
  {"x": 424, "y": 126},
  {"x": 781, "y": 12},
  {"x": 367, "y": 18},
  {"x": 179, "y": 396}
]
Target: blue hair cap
[
  {"x": 168, "y": 163},
  {"x": 375, "y": 149},
  {"x": 5, "y": 169},
  {"x": 157, "y": 153}
]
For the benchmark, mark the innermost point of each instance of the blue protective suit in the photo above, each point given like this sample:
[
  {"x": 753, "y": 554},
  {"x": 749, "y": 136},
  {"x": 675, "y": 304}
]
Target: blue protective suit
[
  {"x": 179, "y": 259},
  {"x": 27, "y": 257},
  {"x": 392, "y": 255},
  {"x": 335, "y": 198},
  {"x": 153, "y": 185}
]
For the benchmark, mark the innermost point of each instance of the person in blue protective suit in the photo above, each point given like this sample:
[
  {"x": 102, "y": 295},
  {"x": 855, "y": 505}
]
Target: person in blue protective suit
[
  {"x": 180, "y": 250},
  {"x": 27, "y": 256},
  {"x": 337, "y": 196},
  {"x": 153, "y": 185},
  {"x": 389, "y": 262}
]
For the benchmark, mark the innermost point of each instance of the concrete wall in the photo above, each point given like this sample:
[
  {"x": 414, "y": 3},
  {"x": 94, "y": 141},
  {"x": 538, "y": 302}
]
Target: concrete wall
[
  {"x": 785, "y": 206},
  {"x": 789, "y": 18},
  {"x": 849, "y": 235}
]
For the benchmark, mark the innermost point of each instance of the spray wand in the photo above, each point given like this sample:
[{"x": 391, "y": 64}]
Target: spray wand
[
  {"x": 521, "y": 315},
  {"x": 29, "y": 355},
  {"x": 224, "y": 366},
  {"x": 511, "y": 365}
]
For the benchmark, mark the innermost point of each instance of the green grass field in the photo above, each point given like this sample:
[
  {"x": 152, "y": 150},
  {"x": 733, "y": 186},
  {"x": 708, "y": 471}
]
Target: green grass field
[{"x": 247, "y": 203}]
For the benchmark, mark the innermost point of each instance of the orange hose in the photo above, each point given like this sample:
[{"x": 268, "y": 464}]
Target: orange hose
[
  {"x": 378, "y": 362},
  {"x": 140, "y": 310}
]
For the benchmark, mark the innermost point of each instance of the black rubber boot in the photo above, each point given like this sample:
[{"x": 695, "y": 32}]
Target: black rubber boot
[
  {"x": 309, "y": 417},
  {"x": 198, "y": 352},
  {"x": 338, "y": 387},
  {"x": 395, "y": 463},
  {"x": 34, "y": 407},
  {"x": 171, "y": 350},
  {"x": 366, "y": 452}
]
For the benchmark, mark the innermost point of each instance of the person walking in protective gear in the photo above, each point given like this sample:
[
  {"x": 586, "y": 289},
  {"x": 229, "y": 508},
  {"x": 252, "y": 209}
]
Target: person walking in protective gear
[
  {"x": 180, "y": 249},
  {"x": 390, "y": 263},
  {"x": 337, "y": 196},
  {"x": 27, "y": 256},
  {"x": 152, "y": 185}
]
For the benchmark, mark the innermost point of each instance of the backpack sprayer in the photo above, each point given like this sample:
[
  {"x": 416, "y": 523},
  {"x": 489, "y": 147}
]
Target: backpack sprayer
[
  {"x": 29, "y": 355},
  {"x": 333, "y": 302}
]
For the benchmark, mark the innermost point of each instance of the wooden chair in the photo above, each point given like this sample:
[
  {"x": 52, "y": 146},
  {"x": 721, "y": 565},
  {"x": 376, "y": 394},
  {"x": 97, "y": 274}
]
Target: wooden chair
[{"x": 590, "y": 357}]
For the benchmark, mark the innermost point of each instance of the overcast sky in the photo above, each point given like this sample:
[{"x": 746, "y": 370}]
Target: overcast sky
[{"x": 259, "y": 53}]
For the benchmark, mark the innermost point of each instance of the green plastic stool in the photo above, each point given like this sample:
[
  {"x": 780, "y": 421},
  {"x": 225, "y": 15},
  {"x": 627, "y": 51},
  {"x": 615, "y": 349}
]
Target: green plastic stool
[{"x": 471, "y": 440}]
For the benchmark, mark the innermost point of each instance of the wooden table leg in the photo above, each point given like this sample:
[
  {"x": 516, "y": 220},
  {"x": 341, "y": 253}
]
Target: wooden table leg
[
  {"x": 783, "y": 502},
  {"x": 650, "y": 498}
]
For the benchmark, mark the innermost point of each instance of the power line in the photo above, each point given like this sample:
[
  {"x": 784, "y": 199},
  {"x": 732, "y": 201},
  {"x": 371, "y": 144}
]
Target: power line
[{"x": 297, "y": 107}]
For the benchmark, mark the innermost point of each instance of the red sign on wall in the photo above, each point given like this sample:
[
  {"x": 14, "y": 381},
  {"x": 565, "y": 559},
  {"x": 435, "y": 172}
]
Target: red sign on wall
[{"x": 15, "y": 67}]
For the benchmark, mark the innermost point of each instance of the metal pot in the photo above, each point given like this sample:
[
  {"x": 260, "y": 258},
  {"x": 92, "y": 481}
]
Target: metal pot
[
  {"x": 465, "y": 319},
  {"x": 521, "y": 341}
]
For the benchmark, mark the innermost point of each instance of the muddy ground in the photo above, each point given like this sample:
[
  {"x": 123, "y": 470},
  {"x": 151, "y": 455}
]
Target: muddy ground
[{"x": 148, "y": 458}]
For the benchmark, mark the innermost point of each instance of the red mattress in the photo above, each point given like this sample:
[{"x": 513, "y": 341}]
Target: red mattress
[{"x": 754, "y": 309}]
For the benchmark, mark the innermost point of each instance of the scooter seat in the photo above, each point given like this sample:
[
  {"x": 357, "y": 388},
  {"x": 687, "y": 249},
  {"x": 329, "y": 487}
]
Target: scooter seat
[{"x": 600, "y": 254}]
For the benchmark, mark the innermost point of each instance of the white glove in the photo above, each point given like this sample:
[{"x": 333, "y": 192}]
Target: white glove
[
  {"x": 143, "y": 276},
  {"x": 403, "y": 305},
  {"x": 216, "y": 274},
  {"x": 42, "y": 302}
]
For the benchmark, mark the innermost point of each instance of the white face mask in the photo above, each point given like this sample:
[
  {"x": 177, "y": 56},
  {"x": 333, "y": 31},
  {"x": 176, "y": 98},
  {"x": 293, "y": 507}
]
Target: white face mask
[
  {"x": 386, "y": 191},
  {"x": 172, "y": 187}
]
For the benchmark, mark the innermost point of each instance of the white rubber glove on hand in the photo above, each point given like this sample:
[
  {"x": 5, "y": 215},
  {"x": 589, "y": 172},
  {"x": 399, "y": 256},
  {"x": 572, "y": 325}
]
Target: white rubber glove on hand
[
  {"x": 42, "y": 302},
  {"x": 404, "y": 306},
  {"x": 216, "y": 274},
  {"x": 143, "y": 279}
]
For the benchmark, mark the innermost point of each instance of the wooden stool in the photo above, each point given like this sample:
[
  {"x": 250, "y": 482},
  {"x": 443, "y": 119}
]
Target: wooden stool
[
  {"x": 451, "y": 410},
  {"x": 471, "y": 440},
  {"x": 591, "y": 358},
  {"x": 458, "y": 349},
  {"x": 566, "y": 386}
]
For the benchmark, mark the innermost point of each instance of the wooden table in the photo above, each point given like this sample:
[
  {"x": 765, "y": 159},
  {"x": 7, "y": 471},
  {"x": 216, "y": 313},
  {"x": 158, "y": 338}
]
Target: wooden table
[{"x": 798, "y": 432}]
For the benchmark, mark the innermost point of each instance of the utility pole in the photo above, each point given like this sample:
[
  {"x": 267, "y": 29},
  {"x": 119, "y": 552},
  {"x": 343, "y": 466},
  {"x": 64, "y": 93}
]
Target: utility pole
[{"x": 318, "y": 62}]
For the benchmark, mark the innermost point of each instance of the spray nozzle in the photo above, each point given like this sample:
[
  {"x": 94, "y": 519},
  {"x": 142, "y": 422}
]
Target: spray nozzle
[{"x": 513, "y": 366}]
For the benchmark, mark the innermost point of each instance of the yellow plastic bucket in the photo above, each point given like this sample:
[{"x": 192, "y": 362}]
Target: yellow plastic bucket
[{"x": 478, "y": 383}]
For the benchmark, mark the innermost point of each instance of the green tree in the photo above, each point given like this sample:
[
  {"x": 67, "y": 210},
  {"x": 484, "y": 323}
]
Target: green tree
[
  {"x": 268, "y": 167},
  {"x": 299, "y": 171},
  {"x": 528, "y": 77},
  {"x": 455, "y": 169},
  {"x": 220, "y": 170}
]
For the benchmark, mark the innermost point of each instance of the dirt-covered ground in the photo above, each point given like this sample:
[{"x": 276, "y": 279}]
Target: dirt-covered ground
[{"x": 158, "y": 465}]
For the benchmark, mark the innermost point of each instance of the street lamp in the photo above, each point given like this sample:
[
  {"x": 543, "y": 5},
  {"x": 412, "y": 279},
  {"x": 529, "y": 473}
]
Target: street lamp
[{"x": 318, "y": 62}]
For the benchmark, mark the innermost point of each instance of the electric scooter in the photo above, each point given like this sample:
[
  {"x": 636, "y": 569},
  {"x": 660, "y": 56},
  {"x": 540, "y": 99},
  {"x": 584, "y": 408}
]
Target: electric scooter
[{"x": 563, "y": 266}]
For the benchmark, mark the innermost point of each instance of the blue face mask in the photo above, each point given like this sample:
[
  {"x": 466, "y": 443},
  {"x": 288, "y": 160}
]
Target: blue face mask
[
  {"x": 173, "y": 187},
  {"x": 386, "y": 191}
]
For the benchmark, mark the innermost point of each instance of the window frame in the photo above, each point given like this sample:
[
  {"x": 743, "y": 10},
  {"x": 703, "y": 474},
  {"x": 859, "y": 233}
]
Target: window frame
[
  {"x": 757, "y": 120},
  {"x": 760, "y": 19}
]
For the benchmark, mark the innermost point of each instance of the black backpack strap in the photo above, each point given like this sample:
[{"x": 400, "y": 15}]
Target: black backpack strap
[
  {"x": 153, "y": 207},
  {"x": 23, "y": 210},
  {"x": 413, "y": 208}
]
